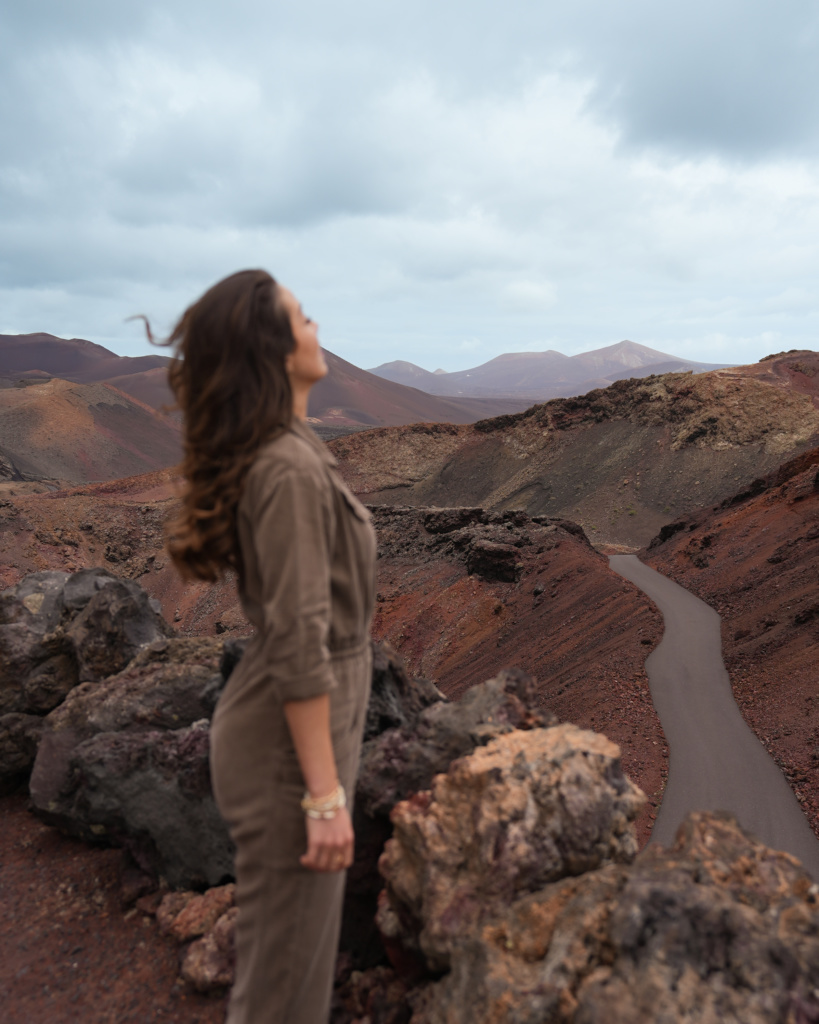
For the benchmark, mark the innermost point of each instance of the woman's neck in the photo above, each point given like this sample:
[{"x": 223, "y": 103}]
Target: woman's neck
[{"x": 300, "y": 396}]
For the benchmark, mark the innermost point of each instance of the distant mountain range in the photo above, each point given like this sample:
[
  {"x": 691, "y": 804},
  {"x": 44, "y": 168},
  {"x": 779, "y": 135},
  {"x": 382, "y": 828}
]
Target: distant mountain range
[
  {"x": 542, "y": 375},
  {"x": 395, "y": 394},
  {"x": 347, "y": 397}
]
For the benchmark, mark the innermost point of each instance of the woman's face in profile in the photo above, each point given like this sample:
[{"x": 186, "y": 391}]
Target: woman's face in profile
[{"x": 305, "y": 364}]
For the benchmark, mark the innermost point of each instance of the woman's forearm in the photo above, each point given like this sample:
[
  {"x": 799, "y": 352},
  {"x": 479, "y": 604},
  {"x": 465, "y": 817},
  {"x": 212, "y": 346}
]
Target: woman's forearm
[
  {"x": 329, "y": 841},
  {"x": 309, "y": 724}
]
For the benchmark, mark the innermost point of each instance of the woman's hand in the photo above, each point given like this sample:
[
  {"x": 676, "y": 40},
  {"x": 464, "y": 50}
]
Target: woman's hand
[{"x": 329, "y": 842}]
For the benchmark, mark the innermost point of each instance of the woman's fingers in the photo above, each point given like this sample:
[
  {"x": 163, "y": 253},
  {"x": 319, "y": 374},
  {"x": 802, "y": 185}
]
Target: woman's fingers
[{"x": 329, "y": 843}]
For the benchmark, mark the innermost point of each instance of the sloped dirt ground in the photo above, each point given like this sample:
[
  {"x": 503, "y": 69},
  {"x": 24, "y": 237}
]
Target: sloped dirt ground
[
  {"x": 582, "y": 631},
  {"x": 69, "y": 950}
]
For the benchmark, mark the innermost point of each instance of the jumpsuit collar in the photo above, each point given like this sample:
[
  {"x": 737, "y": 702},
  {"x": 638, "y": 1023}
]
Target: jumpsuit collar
[{"x": 303, "y": 430}]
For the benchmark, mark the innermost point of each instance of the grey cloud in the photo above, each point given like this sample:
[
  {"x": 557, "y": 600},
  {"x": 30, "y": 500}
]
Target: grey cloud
[
  {"x": 737, "y": 77},
  {"x": 431, "y": 178}
]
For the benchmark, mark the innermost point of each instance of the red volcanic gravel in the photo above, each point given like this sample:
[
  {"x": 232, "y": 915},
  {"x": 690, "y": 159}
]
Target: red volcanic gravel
[{"x": 69, "y": 951}]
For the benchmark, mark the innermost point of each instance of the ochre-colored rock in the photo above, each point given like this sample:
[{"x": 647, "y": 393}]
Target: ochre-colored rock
[
  {"x": 202, "y": 913},
  {"x": 525, "y": 810},
  {"x": 209, "y": 963},
  {"x": 718, "y": 929}
]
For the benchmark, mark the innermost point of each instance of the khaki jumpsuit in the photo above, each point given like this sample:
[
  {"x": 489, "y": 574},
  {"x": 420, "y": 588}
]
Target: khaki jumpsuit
[{"x": 308, "y": 587}]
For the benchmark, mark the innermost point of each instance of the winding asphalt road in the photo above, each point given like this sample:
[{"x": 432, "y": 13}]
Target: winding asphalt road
[{"x": 715, "y": 761}]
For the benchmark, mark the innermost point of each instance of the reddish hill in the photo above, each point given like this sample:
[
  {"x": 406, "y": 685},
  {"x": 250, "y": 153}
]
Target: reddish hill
[
  {"x": 150, "y": 387},
  {"x": 622, "y": 461},
  {"x": 755, "y": 559},
  {"x": 70, "y": 358},
  {"x": 347, "y": 397},
  {"x": 71, "y": 433}
]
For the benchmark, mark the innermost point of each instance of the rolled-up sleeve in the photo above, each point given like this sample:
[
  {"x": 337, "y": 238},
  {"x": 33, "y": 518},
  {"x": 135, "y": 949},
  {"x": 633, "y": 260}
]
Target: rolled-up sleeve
[{"x": 293, "y": 531}]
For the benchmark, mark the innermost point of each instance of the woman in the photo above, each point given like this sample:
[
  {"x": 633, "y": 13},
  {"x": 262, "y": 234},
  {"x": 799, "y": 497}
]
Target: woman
[{"x": 262, "y": 497}]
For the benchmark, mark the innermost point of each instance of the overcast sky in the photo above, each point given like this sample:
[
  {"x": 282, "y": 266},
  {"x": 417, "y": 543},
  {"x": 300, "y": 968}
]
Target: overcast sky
[{"x": 437, "y": 181}]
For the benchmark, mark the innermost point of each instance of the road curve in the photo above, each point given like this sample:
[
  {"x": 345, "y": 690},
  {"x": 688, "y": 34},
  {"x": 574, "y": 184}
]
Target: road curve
[{"x": 715, "y": 761}]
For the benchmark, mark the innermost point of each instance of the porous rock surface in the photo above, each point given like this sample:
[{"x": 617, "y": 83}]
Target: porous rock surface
[
  {"x": 424, "y": 733},
  {"x": 718, "y": 929},
  {"x": 527, "y": 809},
  {"x": 127, "y": 761},
  {"x": 205, "y": 926}
]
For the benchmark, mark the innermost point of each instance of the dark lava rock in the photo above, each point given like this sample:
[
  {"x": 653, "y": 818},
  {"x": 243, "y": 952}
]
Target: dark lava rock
[
  {"x": 57, "y": 629},
  {"x": 488, "y": 543},
  {"x": 169, "y": 686},
  {"x": 19, "y": 736},
  {"x": 116, "y": 623},
  {"x": 150, "y": 793},
  {"x": 232, "y": 655},
  {"x": 29, "y": 615},
  {"x": 493, "y": 561},
  {"x": 404, "y": 760},
  {"x": 396, "y": 701}
]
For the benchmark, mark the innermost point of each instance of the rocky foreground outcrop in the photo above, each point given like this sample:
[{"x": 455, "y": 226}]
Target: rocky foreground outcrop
[
  {"x": 716, "y": 930},
  {"x": 495, "y": 876},
  {"x": 58, "y": 629}
]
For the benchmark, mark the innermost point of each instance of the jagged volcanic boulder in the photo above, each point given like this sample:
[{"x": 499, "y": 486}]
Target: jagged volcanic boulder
[
  {"x": 527, "y": 809},
  {"x": 404, "y": 760},
  {"x": 55, "y": 630},
  {"x": 396, "y": 701},
  {"x": 430, "y": 733},
  {"x": 29, "y": 613},
  {"x": 116, "y": 622},
  {"x": 150, "y": 793},
  {"x": 718, "y": 929},
  {"x": 117, "y": 762},
  {"x": 19, "y": 737}
]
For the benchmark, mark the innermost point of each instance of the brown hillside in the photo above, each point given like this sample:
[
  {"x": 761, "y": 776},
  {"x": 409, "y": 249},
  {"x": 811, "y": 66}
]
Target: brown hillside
[
  {"x": 621, "y": 461},
  {"x": 755, "y": 559},
  {"x": 73, "y": 433},
  {"x": 346, "y": 397},
  {"x": 148, "y": 386}
]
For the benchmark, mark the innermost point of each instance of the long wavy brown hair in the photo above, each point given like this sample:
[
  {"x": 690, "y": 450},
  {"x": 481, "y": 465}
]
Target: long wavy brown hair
[{"x": 229, "y": 378}]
